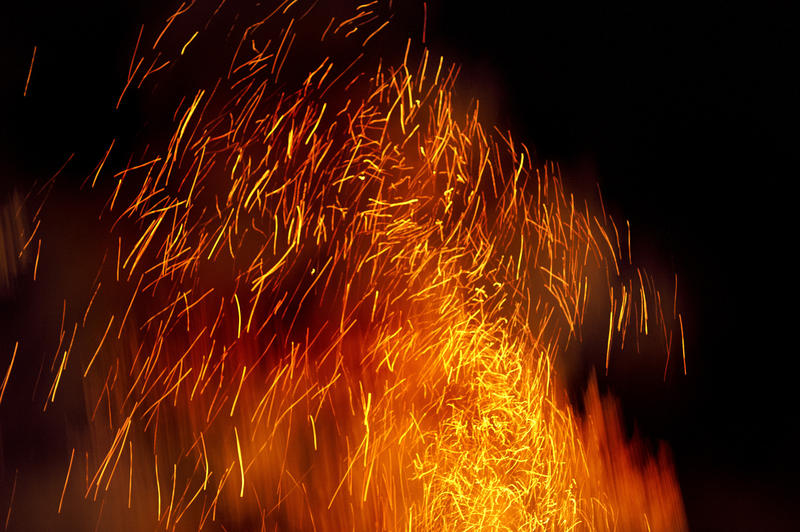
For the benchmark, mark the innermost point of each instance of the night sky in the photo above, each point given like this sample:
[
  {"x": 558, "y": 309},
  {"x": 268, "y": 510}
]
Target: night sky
[{"x": 683, "y": 117}]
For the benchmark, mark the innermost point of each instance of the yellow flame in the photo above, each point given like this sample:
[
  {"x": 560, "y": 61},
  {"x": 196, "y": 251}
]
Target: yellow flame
[{"x": 364, "y": 324}]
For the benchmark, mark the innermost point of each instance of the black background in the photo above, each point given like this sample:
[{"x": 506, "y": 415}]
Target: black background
[{"x": 685, "y": 118}]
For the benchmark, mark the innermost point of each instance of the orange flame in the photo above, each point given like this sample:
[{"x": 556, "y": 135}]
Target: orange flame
[{"x": 337, "y": 305}]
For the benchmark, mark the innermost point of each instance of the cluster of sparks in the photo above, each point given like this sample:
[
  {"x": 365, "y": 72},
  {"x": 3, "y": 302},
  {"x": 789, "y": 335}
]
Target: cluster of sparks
[{"x": 338, "y": 305}]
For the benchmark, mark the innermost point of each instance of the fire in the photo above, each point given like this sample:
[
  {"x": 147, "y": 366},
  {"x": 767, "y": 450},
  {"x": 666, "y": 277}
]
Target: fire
[{"x": 336, "y": 303}]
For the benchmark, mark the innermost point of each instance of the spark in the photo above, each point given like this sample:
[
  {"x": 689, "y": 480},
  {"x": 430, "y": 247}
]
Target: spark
[
  {"x": 103, "y": 162},
  {"x": 683, "y": 345},
  {"x": 30, "y": 71},
  {"x": 11, "y": 499},
  {"x": 66, "y": 480},
  {"x": 36, "y": 262},
  {"x": 103, "y": 339},
  {"x": 241, "y": 462},
  {"x": 8, "y": 372},
  {"x": 185, "y": 46}
]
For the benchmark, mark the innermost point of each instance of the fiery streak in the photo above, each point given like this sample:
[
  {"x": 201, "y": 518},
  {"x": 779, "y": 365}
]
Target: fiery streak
[
  {"x": 103, "y": 339},
  {"x": 11, "y": 499},
  {"x": 30, "y": 71},
  {"x": 683, "y": 344},
  {"x": 241, "y": 462},
  {"x": 36, "y": 262},
  {"x": 363, "y": 292},
  {"x": 8, "y": 372},
  {"x": 66, "y": 480}
]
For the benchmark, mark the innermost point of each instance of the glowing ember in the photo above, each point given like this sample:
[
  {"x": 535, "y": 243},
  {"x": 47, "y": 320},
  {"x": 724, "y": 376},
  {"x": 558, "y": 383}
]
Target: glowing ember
[{"x": 336, "y": 304}]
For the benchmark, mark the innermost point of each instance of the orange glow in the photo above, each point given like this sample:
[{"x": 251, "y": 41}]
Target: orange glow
[{"x": 340, "y": 305}]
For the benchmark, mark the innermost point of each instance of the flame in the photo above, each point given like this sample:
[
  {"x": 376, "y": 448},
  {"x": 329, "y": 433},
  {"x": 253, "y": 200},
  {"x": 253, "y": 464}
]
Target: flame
[{"x": 336, "y": 303}]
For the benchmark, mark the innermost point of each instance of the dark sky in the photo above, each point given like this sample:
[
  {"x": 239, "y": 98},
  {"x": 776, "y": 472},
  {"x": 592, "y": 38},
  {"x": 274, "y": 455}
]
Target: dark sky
[{"x": 683, "y": 116}]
